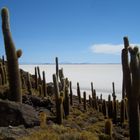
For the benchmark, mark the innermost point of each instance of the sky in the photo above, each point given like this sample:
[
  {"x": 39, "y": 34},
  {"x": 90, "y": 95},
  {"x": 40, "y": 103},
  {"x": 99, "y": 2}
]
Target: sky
[{"x": 75, "y": 31}]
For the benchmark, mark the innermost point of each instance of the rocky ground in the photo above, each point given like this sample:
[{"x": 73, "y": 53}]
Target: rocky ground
[{"x": 79, "y": 125}]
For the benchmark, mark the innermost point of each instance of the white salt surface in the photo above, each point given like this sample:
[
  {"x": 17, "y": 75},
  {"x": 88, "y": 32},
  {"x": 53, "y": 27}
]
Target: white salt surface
[{"x": 102, "y": 76}]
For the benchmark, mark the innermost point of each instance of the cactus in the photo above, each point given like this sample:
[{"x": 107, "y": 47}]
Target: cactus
[
  {"x": 115, "y": 111},
  {"x": 90, "y": 101},
  {"x": 5, "y": 73},
  {"x": 3, "y": 60},
  {"x": 79, "y": 93},
  {"x": 92, "y": 91},
  {"x": 44, "y": 85},
  {"x": 61, "y": 74},
  {"x": 66, "y": 102},
  {"x": 22, "y": 80},
  {"x": 0, "y": 79},
  {"x": 39, "y": 76},
  {"x": 122, "y": 113},
  {"x": 101, "y": 98},
  {"x": 85, "y": 101},
  {"x": 71, "y": 94},
  {"x": 57, "y": 67},
  {"x": 110, "y": 109},
  {"x": 126, "y": 108},
  {"x": 58, "y": 101},
  {"x": 12, "y": 59},
  {"x": 36, "y": 79},
  {"x": 131, "y": 76},
  {"x": 42, "y": 118},
  {"x": 113, "y": 94},
  {"x": 105, "y": 109},
  {"x": 29, "y": 84},
  {"x": 108, "y": 127},
  {"x": 40, "y": 90},
  {"x": 2, "y": 74}
]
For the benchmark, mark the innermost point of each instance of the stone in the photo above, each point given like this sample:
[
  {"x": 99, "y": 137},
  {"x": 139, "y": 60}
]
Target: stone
[{"x": 14, "y": 114}]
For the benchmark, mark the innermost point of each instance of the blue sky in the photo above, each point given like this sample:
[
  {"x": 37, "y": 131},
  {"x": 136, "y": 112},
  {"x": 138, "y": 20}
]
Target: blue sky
[{"x": 76, "y": 31}]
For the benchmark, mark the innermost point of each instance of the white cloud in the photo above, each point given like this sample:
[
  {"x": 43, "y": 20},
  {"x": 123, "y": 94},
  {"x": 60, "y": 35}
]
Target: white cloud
[{"x": 108, "y": 48}]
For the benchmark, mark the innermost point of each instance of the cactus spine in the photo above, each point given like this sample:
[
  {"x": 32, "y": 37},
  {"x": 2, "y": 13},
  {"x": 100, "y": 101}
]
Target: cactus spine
[{"x": 12, "y": 59}]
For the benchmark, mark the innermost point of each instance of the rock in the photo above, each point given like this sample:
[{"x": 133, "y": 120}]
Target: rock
[
  {"x": 37, "y": 101},
  {"x": 14, "y": 114}
]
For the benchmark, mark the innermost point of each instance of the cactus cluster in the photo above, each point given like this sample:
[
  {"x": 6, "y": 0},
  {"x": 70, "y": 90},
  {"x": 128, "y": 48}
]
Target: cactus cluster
[{"x": 131, "y": 79}]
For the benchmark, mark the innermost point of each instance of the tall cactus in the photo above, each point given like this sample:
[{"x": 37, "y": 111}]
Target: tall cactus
[
  {"x": 44, "y": 84},
  {"x": 132, "y": 82},
  {"x": 39, "y": 76},
  {"x": 113, "y": 94},
  {"x": 66, "y": 102},
  {"x": 57, "y": 67},
  {"x": 84, "y": 103},
  {"x": 71, "y": 94},
  {"x": 58, "y": 100},
  {"x": 12, "y": 59},
  {"x": 79, "y": 93},
  {"x": 36, "y": 79}
]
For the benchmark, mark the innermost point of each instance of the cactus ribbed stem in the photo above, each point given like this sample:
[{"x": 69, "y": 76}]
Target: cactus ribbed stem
[
  {"x": 44, "y": 85},
  {"x": 12, "y": 59}
]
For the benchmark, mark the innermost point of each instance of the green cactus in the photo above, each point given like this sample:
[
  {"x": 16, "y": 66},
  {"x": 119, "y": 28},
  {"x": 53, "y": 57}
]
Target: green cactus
[
  {"x": 61, "y": 74},
  {"x": 110, "y": 107},
  {"x": 90, "y": 101},
  {"x": 36, "y": 79},
  {"x": 92, "y": 91},
  {"x": 58, "y": 101},
  {"x": 40, "y": 91},
  {"x": 3, "y": 60},
  {"x": 105, "y": 109},
  {"x": 85, "y": 101},
  {"x": 108, "y": 127},
  {"x": 29, "y": 84},
  {"x": 134, "y": 100},
  {"x": 122, "y": 113},
  {"x": 71, "y": 94},
  {"x": 66, "y": 102},
  {"x": 23, "y": 82},
  {"x": 0, "y": 80},
  {"x": 39, "y": 76},
  {"x": 44, "y": 85},
  {"x": 115, "y": 111},
  {"x": 5, "y": 74},
  {"x": 12, "y": 59},
  {"x": 2, "y": 74},
  {"x": 131, "y": 76},
  {"x": 57, "y": 67},
  {"x": 79, "y": 93},
  {"x": 113, "y": 94}
]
